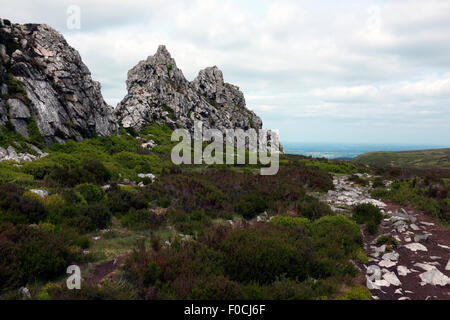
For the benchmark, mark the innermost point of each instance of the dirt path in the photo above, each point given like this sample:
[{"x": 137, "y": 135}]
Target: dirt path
[
  {"x": 418, "y": 266},
  {"x": 105, "y": 270}
]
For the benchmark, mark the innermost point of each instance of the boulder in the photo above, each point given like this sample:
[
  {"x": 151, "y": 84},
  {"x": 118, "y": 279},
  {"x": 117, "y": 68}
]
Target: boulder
[
  {"x": 435, "y": 278},
  {"x": 41, "y": 193}
]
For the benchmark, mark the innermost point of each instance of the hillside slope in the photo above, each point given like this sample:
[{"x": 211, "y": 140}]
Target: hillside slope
[{"x": 417, "y": 158}]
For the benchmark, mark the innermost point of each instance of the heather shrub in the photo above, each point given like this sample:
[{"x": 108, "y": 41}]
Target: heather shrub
[
  {"x": 357, "y": 179},
  {"x": 143, "y": 219},
  {"x": 290, "y": 222},
  {"x": 215, "y": 288},
  {"x": 120, "y": 201},
  {"x": 357, "y": 293},
  {"x": 30, "y": 254},
  {"x": 250, "y": 205},
  {"x": 261, "y": 254},
  {"x": 90, "y": 192},
  {"x": 109, "y": 290},
  {"x": 88, "y": 171},
  {"x": 188, "y": 223},
  {"x": 18, "y": 208},
  {"x": 314, "y": 209},
  {"x": 335, "y": 239},
  {"x": 369, "y": 215}
]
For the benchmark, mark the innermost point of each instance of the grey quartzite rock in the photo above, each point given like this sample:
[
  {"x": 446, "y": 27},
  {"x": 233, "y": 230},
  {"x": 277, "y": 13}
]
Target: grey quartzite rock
[
  {"x": 158, "y": 91},
  {"x": 60, "y": 94}
]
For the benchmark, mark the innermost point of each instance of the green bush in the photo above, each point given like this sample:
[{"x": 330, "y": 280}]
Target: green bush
[
  {"x": 357, "y": 293},
  {"x": 250, "y": 205},
  {"x": 30, "y": 254},
  {"x": 369, "y": 215},
  {"x": 19, "y": 208},
  {"x": 90, "y": 192},
  {"x": 142, "y": 219},
  {"x": 108, "y": 291},
  {"x": 314, "y": 209},
  {"x": 335, "y": 239},
  {"x": 387, "y": 239},
  {"x": 89, "y": 171},
  {"x": 290, "y": 222},
  {"x": 262, "y": 254},
  {"x": 357, "y": 179}
]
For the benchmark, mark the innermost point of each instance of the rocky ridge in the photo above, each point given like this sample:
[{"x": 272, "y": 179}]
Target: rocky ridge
[
  {"x": 46, "y": 90},
  {"x": 158, "y": 91},
  {"x": 43, "y": 79}
]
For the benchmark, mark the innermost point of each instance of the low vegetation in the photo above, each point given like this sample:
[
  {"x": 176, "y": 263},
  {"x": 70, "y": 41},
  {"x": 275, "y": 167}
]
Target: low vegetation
[{"x": 194, "y": 233}]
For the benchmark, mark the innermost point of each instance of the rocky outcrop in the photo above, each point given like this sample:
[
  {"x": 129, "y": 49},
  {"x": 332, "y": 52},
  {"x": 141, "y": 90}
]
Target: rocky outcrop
[
  {"x": 43, "y": 78},
  {"x": 10, "y": 154},
  {"x": 44, "y": 83},
  {"x": 159, "y": 92}
]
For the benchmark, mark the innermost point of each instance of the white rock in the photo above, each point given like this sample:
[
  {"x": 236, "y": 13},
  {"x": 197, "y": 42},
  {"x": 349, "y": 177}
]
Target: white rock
[
  {"x": 392, "y": 279},
  {"x": 416, "y": 247},
  {"x": 25, "y": 292},
  {"x": 435, "y": 278},
  {"x": 404, "y": 298},
  {"x": 40, "y": 193},
  {"x": 147, "y": 175},
  {"x": 427, "y": 223},
  {"x": 447, "y": 267},
  {"x": 414, "y": 227},
  {"x": 442, "y": 246},
  {"x": 371, "y": 285},
  {"x": 387, "y": 263},
  {"x": 402, "y": 270},
  {"x": 391, "y": 256},
  {"x": 398, "y": 291},
  {"x": 382, "y": 283},
  {"x": 425, "y": 266}
]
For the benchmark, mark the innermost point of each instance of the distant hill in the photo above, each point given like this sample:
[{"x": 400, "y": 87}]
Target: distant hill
[{"x": 416, "y": 158}]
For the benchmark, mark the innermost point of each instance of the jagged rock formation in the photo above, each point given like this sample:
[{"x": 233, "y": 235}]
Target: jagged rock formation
[
  {"x": 43, "y": 78},
  {"x": 46, "y": 89},
  {"x": 158, "y": 91}
]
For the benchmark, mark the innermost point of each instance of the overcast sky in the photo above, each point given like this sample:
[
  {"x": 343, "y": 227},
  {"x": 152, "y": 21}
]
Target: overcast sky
[{"x": 319, "y": 71}]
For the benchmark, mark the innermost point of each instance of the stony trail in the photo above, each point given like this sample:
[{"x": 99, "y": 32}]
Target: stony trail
[{"x": 418, "y": 266}]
